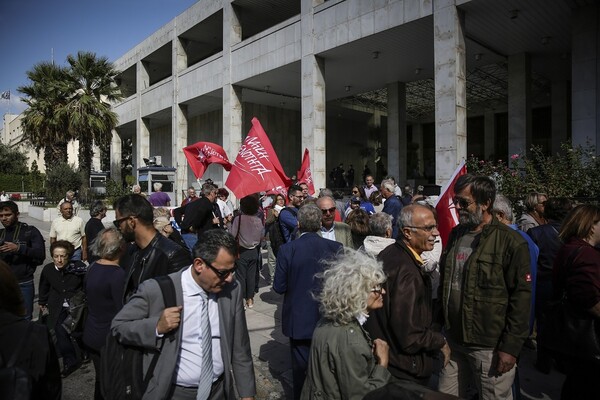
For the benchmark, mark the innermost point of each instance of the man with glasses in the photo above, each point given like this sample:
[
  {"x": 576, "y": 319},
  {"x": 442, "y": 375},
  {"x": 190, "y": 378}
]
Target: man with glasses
[
  {"x": 297, "y": 264},
  {"x": 151, "y": 254},
  {"x": 485, "y": 293},
  {"x": 71, "y": 228},
  {"x": 406, "y": 318},
  {"x": 331, "y": 229},
  {"x": 206, "y": 349},
  {"x": 288, "y": 221}
]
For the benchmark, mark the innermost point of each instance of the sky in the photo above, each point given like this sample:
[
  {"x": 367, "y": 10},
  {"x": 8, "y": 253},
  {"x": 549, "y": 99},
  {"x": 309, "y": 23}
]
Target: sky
[{"x": 32, "y": 31}]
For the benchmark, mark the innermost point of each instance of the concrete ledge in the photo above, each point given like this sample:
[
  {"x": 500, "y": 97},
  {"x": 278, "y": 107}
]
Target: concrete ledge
[{"x": 49, "y": 214}]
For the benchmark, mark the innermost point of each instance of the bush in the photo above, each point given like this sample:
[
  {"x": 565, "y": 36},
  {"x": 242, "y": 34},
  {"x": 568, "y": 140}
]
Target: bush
[
  {"x": 115, "y": 190},
  {"x": 575, "y": 172},
  {"x": 60, "y": 179}
]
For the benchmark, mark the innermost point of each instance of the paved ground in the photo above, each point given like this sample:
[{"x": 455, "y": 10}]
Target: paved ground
[{"x": 271, "y": 355}]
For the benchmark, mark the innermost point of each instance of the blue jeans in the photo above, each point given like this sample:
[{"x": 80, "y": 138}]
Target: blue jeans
[
  {"x": 76, "y": 254},
  {"x": 190, "y": 239},
  {"x": 28, "y": 291}
]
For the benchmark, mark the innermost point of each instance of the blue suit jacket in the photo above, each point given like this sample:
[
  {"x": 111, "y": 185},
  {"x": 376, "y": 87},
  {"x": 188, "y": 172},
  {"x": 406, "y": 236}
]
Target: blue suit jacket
[
  {"x": 297, "y": 264},
  {"x": 392, "y": 206}
]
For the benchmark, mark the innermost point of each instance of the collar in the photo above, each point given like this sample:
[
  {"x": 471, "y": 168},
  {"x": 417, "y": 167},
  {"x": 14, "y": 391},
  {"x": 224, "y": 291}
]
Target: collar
[
  {"x": 323, "y": 229},
  {"x": 414, "y": 253},
  {"x": 189, "y": 286},
  {"x": 362, "y": 318}
]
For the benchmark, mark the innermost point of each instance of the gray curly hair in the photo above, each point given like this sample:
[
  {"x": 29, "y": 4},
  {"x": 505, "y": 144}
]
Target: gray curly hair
[{"x": 347, "y": 283}]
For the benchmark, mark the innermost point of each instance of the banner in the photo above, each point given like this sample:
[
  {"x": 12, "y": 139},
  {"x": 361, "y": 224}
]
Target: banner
[
  {"x": 202, "y": 154},
  {"x": 256, "y": 167},
  {"x": 446, "y": 212},
  {"x": 305, "y": 174}
]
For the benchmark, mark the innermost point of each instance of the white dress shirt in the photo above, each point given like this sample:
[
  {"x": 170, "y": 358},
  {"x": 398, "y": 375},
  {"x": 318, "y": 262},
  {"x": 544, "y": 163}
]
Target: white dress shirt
[{"x": 189, "y": 361}]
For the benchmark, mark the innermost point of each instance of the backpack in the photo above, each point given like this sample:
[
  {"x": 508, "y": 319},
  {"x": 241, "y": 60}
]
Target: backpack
[
  {"x": 15, "y": 382},
  {"x": 121, "y": 366},
  {"x": 275, "y": 235}
]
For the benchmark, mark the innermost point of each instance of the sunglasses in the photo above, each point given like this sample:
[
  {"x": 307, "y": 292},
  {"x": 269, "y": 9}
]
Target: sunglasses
[
  {"x": 117, "y": 222},
  {"x": 462, "y": 202},
  {"x": 328, "y": 211},
  {"x": 428, "y": 228},
  {"x": 355, "y": 192},
  {"x": 221, "y": 273}
]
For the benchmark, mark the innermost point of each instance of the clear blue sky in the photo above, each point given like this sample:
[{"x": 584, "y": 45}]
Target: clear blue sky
[{"x": 30, "y": 29}]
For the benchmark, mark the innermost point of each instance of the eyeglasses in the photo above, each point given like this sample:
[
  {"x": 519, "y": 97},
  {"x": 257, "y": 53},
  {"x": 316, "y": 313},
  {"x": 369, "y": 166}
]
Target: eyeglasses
[
  {"x": 355, "y": 191},
  {"x": 221, "y": 273},
  {"x": 428, "y": 228},
  {"x": 328, "y": 211},
  {"x": 377, "y": 289},
  {"x": 117, "y": 222},
  {"x": 462, "y": 202}
]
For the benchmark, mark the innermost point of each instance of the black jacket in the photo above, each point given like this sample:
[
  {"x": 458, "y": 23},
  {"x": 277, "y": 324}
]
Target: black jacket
[
  {"x": 31, "y": 253},
  {"x": 58, "y": 285},
  {"x": 161, "y": 257},
  {"x": 196, "y": 216},
  {"x": 405, "y": 321},
  {"x": 37, "y": 356}
]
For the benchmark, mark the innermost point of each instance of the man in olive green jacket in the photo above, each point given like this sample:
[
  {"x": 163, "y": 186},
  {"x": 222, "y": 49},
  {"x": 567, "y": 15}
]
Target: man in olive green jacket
[{"x": 485, "y": 295}]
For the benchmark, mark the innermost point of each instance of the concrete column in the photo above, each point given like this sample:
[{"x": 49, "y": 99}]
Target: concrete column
[
  {"x": 489, "y": 134},
  {"x": 232, "y": 95},
  {"x": 396, "y": 131},
  {"x": 115, "y": 157},
  {"x": 179, "y": 123},
  {"x": 180, "y": 140},
  {"x": 313, "y": 108},
  {"x": 585, "y": 69},
  {"x": 560, "y": 114},
  {"x": 450, "y": 89},
  {"x": 519, "y": 105},
  {"x": 142, "y": 144},
  {"x": 417, "y": 138},
  {"x": 96, "y": 158},
  {"x": 142, "y": 77}
]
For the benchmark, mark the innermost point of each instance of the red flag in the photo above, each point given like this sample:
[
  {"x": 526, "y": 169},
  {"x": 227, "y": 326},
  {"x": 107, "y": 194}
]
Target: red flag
[
  {"x": 446, "y": 212},
  {"x": 256, "y": 167},
  {"x": 201, "y": 154},
  {"x": 305, "y": 174}
]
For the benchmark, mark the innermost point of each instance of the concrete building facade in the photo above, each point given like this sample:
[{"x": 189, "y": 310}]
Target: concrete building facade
[{"x": 407, "y": 87}]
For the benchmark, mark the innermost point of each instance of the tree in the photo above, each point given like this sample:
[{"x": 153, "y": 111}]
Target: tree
[
  {"x": 12, "y": 161},
  {"x": 91, "y": 82},
  {"x": 42, "y": 125}
]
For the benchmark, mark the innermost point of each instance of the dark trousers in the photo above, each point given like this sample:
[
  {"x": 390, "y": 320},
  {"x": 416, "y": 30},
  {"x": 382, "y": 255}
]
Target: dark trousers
[
  {"x": 246, "y": 271},
  {"x": 582, "y": 381},
  {"x": 95, "y": 357},
  {"x": 217, "y": 391},
  {"x": 28, "y": 291},
  {"x": 300, "y": 349},
  {"x": 63, "y": 340}
]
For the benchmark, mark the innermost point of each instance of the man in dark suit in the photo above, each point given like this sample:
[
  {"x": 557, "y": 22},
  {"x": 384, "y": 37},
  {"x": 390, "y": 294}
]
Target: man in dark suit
[
  {"x": 297, "y": 264},
  {"x": 179, "y": 374}
]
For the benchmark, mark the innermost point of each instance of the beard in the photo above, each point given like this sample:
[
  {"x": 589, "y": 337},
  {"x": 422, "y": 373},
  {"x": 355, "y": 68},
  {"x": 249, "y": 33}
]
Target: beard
[
  {"x": 468, "y": 218},
  {"x": 128, "y": 235}
]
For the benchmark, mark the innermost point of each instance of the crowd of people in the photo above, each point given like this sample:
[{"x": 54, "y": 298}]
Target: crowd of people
[{"x": 373, "y": 302}]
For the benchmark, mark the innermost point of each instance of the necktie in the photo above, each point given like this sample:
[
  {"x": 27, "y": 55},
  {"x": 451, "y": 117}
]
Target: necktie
[{"x": 206, "y": 374}]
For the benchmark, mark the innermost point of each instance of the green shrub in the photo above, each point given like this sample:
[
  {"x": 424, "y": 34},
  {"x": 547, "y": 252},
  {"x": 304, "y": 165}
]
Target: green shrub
[
  {"x": 115, "y": 190},
  {"x": 60, "y": 179}
]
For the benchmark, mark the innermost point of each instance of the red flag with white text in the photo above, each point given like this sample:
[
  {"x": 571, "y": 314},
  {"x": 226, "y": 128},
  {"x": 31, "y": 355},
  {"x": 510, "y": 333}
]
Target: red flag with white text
[
  {"x": 256, "y": 167},
  {"x": 446, "y": 212},
  {"x": 200, "y": 155},
  {"x": 305, "y": 174}
]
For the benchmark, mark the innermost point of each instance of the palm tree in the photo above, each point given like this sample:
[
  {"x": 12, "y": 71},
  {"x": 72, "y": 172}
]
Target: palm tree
[
  {"x": 42, "y": 126},
  {"x": 92, "y": 86}
]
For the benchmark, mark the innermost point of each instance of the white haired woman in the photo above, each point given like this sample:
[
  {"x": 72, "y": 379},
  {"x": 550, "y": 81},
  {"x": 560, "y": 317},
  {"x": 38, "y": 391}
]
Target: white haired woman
[{"x": 344, "y": 362}]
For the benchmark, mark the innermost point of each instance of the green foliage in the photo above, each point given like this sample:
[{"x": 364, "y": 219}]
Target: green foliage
[
  {"x": 60, "y": 179},
  {"x": 11, "y": 183},
  {"x": 575, "y": 172},
  {"x": 115, "y": 190},
  {"x": 12, "y": 161}
]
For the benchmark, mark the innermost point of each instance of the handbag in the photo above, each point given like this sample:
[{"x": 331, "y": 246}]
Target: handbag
[
  {"x": 570, "y": 332},
  {"x": 77, "y": 313}
]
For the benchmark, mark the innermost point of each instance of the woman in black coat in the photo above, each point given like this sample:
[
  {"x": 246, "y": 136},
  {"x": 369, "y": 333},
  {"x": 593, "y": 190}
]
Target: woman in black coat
[
  {"x": 36, "y": 354},
  {"x": 59, "y": 281}
]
